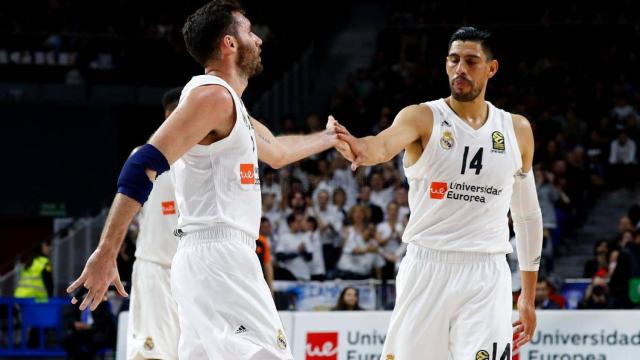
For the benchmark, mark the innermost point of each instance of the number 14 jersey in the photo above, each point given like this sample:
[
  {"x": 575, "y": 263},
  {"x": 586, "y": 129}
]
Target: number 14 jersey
[{"x": 460, "y": 188}]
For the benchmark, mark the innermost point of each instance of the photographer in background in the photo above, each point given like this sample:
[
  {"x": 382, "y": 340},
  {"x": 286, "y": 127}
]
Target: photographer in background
[{"x": 597, "y": 295}]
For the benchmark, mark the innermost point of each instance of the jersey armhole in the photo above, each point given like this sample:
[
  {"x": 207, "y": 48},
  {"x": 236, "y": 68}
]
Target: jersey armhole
[{"x": 411, "y": 171}]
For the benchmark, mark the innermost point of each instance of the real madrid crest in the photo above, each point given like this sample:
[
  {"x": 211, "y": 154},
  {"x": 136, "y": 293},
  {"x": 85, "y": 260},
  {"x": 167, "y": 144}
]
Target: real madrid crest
[
  {"x": 281, "y": 340},
  {"x": 148, "y": 343},
  {"x": 446, "y": 141}
]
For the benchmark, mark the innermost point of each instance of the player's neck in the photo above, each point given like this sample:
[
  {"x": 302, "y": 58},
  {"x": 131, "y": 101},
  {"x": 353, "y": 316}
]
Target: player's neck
[
  {"x": 231, "y": 75},
  {"x": 474, "y": 112}
]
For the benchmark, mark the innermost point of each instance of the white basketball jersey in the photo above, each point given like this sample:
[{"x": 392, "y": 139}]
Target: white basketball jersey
[
  {"x": 218, "y": 184},
  {"x": 158, "y": 220},
  {"x": 460, "y": 187}
]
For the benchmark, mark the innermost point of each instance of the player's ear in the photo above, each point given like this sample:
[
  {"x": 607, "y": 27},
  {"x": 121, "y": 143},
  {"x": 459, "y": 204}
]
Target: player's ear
[
  {"x": 228, "y": 43},
  {"x": 493, "y": 67}
]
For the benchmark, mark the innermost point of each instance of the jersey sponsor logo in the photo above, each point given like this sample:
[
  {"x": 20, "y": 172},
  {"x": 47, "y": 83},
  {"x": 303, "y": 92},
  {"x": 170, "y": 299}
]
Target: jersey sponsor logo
[
  {"x": 281, "y": 340},
  {"x": 241, "y": 330},
  {"x": 437, "y": 190},
  {"x": 168, "y": 208},
  {"x": 497, "y": 139},
  {"x": 445, "y": 123},
  {"x": 322, "y": 346},
  {"x": 460, "y": 191},
  {"x": 248, "y": 174},
  {"x": 446, "y": 140}
]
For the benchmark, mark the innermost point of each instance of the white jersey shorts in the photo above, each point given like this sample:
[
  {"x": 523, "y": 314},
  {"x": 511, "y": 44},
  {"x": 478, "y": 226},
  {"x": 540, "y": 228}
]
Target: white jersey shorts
[
  {"x": 451, "y": 305},
  {"x": 225, "y": 306},
  {"x": 153, "y": 329}
]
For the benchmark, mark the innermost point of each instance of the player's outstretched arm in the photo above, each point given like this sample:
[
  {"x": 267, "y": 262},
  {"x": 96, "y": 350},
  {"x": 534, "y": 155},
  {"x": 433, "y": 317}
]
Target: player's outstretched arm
[
  {"x": 206, "y": 109},
  {"x": 527, "y": 223},
  {"x": 279, "y": 151},
  {"x": 413, "y": 123}
]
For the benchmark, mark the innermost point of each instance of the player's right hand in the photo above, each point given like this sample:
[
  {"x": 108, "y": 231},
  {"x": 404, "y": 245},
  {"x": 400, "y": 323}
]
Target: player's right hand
[
  {"x": 526, "y": 325},
  {"x": 356, "y": 147},
  {"x": 99, "y": 272},
  {"x": 343, "y": 148}
]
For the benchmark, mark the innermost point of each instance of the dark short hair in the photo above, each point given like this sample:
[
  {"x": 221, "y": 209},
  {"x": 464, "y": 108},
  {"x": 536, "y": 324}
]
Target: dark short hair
[
  {"x": 469, "y": 33},
  {"x": 205, "y": 28},
  {"x": 313, "y": 220},
  {"x": 171, "y": 98}
]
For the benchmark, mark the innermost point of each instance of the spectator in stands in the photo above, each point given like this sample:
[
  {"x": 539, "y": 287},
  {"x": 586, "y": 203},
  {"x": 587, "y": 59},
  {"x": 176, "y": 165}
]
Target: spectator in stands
[
  {"x": 389, "y": 236},
  {"x": 547, "y": 196},
  {"x": 319, "y": 178},
  {"x": 624, "y": 225},
  {"x": 297, "y": 204},
  {"x": 293, "y": 251},
  {"x": 622, "y": 109},
  {"x": 88, "y": 332},
  {"x": 622, "y": 159},
  {"x": 348, "y": 300},
  {"x": 542, "y": 296},
  {"x": 317, "y": 267},
  {"x": 379, "y": 196},
  {"x": 634, "y": 259},
  {"x": 330, "y": 221},
  {"x": 597, "y": 295},
  {"x": 360, "y": 255},
  {"x": 344, "y": 178},
  {"x": 36, "y": 280},
  {"x": 339, "y": 200},
  {"x": 600, "y": 262},
  {"x": 270, "y": 210},
  {"x": 263, "y": 249},
  {"x": 313, "y": 124},
  {"x": 620, "y": 267},
  {"x": 401, "y": 197},
  {"x": 268, "y": 184},
  {"x": 376, "y": 215},
  {"x": 397, "y": 256}
]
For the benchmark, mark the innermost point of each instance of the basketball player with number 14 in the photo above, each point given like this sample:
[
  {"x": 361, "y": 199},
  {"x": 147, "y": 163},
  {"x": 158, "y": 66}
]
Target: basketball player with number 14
[{"x": 467, "y": 163}]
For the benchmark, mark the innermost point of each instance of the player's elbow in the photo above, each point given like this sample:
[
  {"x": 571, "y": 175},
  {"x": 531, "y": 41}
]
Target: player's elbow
[{"x": 277, "y": 161}]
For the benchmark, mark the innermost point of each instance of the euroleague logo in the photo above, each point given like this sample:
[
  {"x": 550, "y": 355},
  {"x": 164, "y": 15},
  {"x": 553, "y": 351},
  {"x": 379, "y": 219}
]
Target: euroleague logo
[
  {"x": 322, "y": 346},
  {"x": 437, "y": 190}
]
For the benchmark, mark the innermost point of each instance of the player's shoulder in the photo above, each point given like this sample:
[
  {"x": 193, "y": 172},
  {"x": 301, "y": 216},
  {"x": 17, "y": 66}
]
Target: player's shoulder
[
  {"x": 520, "y": 123},
  {"x": 417, "y": 114},
  {"x": 210, "y": 93}
]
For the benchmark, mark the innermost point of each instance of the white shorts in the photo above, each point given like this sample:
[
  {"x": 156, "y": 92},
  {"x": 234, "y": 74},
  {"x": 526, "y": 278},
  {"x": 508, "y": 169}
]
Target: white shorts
[
  {"x": 153, "y": 329},
  {"x": 451, "y": 305},
  {"x": 225, "y": 306}
]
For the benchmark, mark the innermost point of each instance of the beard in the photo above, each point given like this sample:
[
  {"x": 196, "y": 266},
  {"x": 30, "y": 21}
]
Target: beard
[
  {"x": 465, "y": 96},
  {"x": 249, "y": 61}
]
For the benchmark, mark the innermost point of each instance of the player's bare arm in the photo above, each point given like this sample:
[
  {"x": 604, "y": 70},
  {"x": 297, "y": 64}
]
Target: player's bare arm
[
  {"x": 527, "y": 219},
  {"x": 410, "y": 130},
  {"x": 207, "y": 109},
  {"x": 279, "y": 151}
]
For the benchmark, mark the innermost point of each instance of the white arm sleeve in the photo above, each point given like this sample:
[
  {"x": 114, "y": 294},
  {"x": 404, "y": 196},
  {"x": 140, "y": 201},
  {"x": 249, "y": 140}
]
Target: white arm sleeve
[{"x": 527, "y": 221}]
